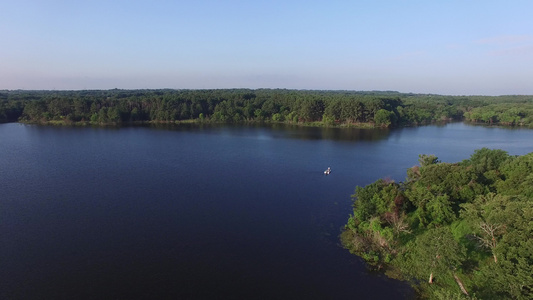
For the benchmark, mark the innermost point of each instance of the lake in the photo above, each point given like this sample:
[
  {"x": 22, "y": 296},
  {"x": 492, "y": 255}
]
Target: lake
[{"x": 202, "y": 212}]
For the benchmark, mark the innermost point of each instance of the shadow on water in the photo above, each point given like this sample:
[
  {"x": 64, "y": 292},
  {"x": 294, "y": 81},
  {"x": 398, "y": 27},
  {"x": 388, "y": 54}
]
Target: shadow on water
[{"x": 288, "y": 131}]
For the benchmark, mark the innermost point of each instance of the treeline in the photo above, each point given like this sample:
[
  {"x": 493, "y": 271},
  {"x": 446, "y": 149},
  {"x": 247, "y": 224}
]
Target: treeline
[
  {"x": 511, "y": 114},
  {"x": 454, "y": 230},
  {"x": 385, "y": 109}
]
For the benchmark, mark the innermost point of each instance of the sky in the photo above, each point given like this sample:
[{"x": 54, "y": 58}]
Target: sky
[{"x": 449, "y": 47}]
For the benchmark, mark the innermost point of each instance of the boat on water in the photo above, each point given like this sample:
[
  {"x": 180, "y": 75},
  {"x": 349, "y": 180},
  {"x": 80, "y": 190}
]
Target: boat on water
[{"x": 327, "y": 171}]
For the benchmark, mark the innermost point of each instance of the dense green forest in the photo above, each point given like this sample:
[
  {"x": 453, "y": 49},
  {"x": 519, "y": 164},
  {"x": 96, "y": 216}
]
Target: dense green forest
[
  {"x": 454, "y": 230},
  {"x": 321, "y": 108}
]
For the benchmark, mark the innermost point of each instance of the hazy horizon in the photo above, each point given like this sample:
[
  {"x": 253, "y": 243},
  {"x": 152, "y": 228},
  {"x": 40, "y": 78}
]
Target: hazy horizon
[
  {"x": 253, "y": 89},
  {"x": 422, "y": 47}
]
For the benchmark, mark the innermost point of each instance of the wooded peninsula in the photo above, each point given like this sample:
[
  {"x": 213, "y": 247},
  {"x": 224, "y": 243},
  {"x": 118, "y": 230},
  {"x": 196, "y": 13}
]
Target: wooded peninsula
[
  {"x": 302, "y": 107},
  {"x": 454, "y": 230}
]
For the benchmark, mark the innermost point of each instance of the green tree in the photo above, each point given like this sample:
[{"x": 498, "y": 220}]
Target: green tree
[
  {"x": 384, "y": 118},
  {"x": 102, "y": 115},
  {"x": 518, "y": 176},
  {"x": 488, "y": 219},
  {"x": 510, "y": 276},
  {"x": 426, "y": 160},
  {"x": 277, "y": 117},
  {"x": 434, "y": 254},
  {"x": 485, "y": 159},
  {"x": 115, "y": 115},
  {"x": 328, "y": 120},
  {"x": 34, "y": 110}
]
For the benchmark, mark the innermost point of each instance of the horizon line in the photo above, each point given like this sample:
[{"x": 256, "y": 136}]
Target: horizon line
[{"x": 254, "y": 89}]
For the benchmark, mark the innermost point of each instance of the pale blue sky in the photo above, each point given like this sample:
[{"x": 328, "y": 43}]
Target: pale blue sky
[{"x": 446, "y": 47}]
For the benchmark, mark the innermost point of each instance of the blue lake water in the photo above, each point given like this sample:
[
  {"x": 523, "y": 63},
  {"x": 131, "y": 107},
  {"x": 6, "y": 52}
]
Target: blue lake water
[{"x": 193, "y": 212}]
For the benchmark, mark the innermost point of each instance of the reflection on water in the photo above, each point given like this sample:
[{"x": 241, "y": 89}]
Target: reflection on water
[{"x": 289, "y": 131}]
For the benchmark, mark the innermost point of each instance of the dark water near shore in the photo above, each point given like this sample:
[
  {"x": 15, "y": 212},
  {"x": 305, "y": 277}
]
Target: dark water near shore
[{"x": 202, "y": 212}]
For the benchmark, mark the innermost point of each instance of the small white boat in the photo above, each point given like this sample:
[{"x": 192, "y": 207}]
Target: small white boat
[{"x": 327, "y": 171}]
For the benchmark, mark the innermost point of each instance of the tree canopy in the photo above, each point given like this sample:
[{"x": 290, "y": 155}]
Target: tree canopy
[
  {"x": 455, "y": 230},
  {"x": 321, "y": 108}
]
